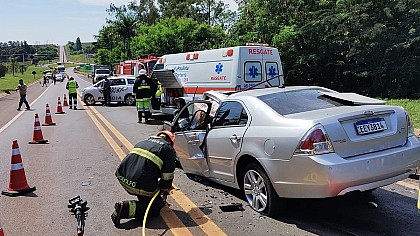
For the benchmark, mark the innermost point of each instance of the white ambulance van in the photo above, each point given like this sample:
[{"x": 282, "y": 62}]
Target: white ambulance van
[{"x": 226, "y": 69}]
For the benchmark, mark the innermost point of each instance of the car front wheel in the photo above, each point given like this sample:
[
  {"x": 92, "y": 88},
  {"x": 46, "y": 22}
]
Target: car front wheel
[
  {"x": 129, "y": 100},
  {"x": 259, "y": 191},
  {"x": 89, "y": 100}
]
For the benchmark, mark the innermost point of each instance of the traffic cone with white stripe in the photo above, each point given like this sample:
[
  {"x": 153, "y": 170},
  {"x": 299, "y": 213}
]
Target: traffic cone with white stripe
[
  {"x": 59, "y": 107},
  {"x": 37, "y": 138},
  {"x": 48, "y": 118},
  {"x": 65, "y": 104},
  {"x": 17, "y": 184}
]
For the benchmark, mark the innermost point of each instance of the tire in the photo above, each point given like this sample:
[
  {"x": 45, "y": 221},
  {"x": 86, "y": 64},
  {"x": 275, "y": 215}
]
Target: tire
[
  {"x": 129, "y": 100},
  {"x": 89, "y": 100},
  {"x": 259, "y": 192}
]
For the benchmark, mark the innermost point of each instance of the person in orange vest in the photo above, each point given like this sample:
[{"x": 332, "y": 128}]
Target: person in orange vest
[{"x": 146, "y": 170}]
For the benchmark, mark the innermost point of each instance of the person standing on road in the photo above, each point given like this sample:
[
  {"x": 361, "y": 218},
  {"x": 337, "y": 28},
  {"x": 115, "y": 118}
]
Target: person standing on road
[
  {"x": 72, "y": 87},
  {"x": 54, "y": 78},
  {"x": 22, "y": 91},
  {"x": 106, "y": 91},
  {"x": 144, "y": 89},
  {"x": 147, "y": 169},
  {"x": 45, "y": 79}
]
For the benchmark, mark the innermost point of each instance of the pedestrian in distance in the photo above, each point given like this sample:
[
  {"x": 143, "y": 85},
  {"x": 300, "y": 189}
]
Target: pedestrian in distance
[
  {"x": 54, "y": 78},
  {"x": 145, "y": 172},
  {"x": 72, "y": 87},
  {"x": 44, "y": 81},
  {"x": 106, "y": 91},
  {"x": 144, "y": 89},
  {"x": 22, "y": 91}
]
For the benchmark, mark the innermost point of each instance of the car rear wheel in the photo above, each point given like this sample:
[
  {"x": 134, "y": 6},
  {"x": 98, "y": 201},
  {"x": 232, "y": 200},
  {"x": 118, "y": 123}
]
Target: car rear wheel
[
  {"x": 89, "y": 100},
  {"x": 129, "y": 100},
  {"x": 259, "y": 191}
]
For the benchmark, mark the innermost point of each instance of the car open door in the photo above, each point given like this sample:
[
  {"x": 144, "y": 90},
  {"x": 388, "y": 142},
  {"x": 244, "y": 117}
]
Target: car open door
[{"x": 190, "y": 127}]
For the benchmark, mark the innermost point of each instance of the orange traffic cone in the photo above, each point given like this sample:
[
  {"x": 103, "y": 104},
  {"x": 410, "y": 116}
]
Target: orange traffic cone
[
  {"x": 37, "y": 138},
  {"x": 1, "y": 229},
  {"x": 17, "y": 184},
  {"x": 48, "y": 118},
  {"x": 65, "y": 104},
  {"x": 59, "y": 107}
]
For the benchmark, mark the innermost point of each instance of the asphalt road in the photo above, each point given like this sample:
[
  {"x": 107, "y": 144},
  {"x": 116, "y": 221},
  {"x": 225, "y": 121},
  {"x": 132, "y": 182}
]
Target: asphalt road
[{"x": 84, "y": 151}]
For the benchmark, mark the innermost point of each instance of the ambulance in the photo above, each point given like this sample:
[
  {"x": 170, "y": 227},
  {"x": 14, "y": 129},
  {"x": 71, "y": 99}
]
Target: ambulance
[{"x": 238, "y": 68}]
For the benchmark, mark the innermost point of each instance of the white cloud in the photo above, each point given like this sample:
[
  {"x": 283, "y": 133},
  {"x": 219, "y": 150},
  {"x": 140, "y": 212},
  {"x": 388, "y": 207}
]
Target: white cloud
[{"x": 104, "y": 2}]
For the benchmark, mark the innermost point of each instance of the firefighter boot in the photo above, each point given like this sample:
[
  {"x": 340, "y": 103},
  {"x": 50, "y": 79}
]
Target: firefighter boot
[
  {"x": 121, "y": 212},
  {"x": 147, "y": 115},
  {"x": 139, "y": 113}
]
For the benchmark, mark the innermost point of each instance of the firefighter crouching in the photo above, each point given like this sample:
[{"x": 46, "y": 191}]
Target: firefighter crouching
[{"x": 148, "y": 168}]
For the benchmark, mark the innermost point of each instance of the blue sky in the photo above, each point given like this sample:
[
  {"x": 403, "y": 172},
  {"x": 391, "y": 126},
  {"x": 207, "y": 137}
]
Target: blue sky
[{"x": 55, "y": 21}]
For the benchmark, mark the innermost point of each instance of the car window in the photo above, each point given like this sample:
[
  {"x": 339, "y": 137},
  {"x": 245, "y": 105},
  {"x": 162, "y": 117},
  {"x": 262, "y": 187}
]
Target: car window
[
  {"x": 130, "y": 81},
  {"x": 230, "y": 113},
  {"x": 272, "y": 71},
  {"x": 252, "y": 71},
  {"x": 286, "y": 103},
  {"x": 115, "y": 82}
]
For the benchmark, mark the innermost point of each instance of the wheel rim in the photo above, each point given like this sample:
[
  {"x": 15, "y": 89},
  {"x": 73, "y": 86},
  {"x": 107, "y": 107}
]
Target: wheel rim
[
  {"x": 90, "y": 100},
  {"x": 129, "y": 100},
  {"x": 255, "y": 190}
]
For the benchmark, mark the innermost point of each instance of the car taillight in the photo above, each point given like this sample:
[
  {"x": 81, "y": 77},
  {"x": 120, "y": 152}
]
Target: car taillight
[
  {"x": 410, "y": 126},
  {"x": 315, "y": 141}
]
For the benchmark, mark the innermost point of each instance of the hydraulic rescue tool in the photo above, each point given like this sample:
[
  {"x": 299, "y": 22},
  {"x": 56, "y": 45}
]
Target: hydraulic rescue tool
[{"x": 79, "y": 209}]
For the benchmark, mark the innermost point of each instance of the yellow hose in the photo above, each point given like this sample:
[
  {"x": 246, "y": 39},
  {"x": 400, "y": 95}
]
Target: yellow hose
[{"x": 147, "y": 212}]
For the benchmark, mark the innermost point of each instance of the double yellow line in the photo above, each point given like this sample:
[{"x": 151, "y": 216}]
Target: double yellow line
[{"x": 175, "y": 225}]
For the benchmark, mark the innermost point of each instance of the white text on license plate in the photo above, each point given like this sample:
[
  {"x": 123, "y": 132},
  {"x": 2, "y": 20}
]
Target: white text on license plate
[{"x": 371, "y": 126}]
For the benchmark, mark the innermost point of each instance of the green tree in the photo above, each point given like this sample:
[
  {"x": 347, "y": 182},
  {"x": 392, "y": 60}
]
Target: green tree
[
  {"x": 3, "y": 70},
  {"x": 13, "y": 64},
  {"x": 78, "y": 46}
]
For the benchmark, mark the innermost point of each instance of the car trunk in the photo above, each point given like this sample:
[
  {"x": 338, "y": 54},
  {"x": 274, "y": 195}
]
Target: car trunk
[{"x": 358, "y": 130}]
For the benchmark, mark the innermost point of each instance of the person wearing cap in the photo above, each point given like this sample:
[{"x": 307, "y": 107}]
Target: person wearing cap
[
  {"x": 72, "y": 87},
  {"x": 147, "y": 169},
  {"x": 144, "y": 89}
]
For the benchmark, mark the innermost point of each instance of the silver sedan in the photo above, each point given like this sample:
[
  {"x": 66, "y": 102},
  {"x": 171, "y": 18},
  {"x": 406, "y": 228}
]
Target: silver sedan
[{"x": 295, "y": 142}]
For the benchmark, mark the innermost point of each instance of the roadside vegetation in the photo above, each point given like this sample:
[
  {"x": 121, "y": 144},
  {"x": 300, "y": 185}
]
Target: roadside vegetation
[
  {"x": 10, "y": 81},
  {"x": 412, "y": 106}
]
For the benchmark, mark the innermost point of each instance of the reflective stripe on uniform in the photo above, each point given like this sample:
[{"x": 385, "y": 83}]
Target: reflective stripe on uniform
[
  {"x": 131, "y": 209},
  {"x": 137, "y": 192},
  {"x": 142, "y": 99},
  {"x": 143, "y": 87},
  {"x": 148, "y": 155},
  {"x": 17, "y": 166},
  {"x": 15, "y": 151},
  {"x": 167, "y": 176}
]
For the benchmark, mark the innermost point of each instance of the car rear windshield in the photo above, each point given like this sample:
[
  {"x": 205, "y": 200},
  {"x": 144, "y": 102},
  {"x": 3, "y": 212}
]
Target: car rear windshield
[
  {"x": 286, "y": 103},
  {"x": 102, "y": 71}
]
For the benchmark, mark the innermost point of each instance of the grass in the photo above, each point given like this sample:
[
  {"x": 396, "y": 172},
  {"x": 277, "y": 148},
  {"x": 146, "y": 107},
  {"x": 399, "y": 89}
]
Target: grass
[
  {"x": 9, "y": 82},
  {"x": 79, "y": 58},
  {"x": 412, "y": 106}
]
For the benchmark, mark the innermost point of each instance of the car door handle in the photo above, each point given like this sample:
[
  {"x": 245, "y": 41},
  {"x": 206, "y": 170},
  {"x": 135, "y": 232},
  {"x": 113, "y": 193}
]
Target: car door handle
[{"x": 235, "y": 138}]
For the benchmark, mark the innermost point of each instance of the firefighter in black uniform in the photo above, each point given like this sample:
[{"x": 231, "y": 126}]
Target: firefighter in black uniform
[
  {"x": 144, "y": 89},
  {"x": 147, "y": 169}
]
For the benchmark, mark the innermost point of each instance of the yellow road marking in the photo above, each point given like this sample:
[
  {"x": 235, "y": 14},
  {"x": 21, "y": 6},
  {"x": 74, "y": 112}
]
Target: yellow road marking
[
  {"x": 408, "y": 185},
  {"x": 174, "y": 224},
  {"x": 201, "y": 219}
]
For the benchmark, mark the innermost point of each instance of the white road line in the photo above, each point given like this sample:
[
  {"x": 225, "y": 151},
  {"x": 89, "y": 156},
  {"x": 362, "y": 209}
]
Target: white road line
[{"x": 20, "y": 113}]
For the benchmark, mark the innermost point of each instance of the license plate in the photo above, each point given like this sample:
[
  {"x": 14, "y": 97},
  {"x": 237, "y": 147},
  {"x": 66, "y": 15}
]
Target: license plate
[{"x": 370, "y": 126}]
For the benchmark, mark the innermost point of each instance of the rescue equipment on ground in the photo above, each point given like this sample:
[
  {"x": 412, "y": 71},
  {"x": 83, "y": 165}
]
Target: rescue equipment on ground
[
  {"x": 79, "y": 209},
  {"x": 37, "y": 137},
  {"x": 17, "y": 184},
  {"x": 48, "y": 118},
  {"x": 65, "y": 104},
  {"x": 59, "y": 107}
]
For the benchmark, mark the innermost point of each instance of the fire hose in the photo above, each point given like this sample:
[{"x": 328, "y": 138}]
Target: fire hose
[{"x": 147, "y": 212}]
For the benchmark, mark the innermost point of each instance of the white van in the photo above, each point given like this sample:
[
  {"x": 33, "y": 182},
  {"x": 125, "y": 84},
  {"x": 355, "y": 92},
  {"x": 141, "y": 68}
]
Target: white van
[{"x": 228, "y": 69}]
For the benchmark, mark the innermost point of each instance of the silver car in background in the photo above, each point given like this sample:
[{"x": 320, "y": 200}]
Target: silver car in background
[
  {"x": 121, "y": 91},
  {"x": 295, "y": 142}
]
